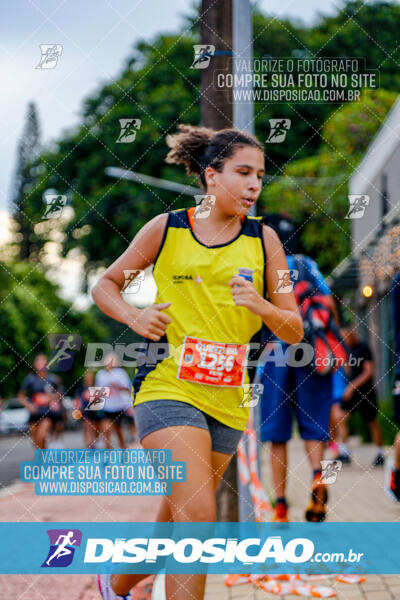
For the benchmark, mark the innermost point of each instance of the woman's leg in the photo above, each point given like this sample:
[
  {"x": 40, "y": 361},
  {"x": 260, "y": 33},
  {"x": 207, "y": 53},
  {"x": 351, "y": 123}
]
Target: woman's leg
[
  {"x": 335, "y": 420},
  {"x": 278, "y": 454},
  {"x": 87, "y": 437},
  {"x": 40, "y": 431},
  {"x": 91, "y": 432},
  {"x": 376, "y": 432},
  {"x": 105, "y": 428},
  {"x": 96, "y": 432},
  {"x": 122, "y": 584},
  {"x": 315, "y": 453},
  {"x": 120, "y": 436}
]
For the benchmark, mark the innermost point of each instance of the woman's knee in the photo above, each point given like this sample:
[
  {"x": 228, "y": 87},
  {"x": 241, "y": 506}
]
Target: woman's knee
[{"x": 197, "y": 510}]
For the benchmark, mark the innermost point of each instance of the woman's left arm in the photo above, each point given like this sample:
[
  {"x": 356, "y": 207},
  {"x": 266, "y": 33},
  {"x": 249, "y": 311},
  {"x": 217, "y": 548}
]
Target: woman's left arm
[{"x": 280, "y": 312}]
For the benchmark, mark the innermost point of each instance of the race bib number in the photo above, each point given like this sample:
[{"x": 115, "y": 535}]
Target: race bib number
[
  {"x": 41, "y": 399},
  {"x": 212, "y": 363}
]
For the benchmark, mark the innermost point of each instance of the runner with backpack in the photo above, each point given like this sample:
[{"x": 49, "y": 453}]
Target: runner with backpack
[{"x": 304, "y": 387}]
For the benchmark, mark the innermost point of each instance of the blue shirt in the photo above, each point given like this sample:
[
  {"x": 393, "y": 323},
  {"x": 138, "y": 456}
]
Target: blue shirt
[{"x": 310, "y": 273}]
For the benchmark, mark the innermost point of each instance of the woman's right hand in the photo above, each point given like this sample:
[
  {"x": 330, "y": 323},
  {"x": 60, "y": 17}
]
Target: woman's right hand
[{"x": 151, "y": 322}]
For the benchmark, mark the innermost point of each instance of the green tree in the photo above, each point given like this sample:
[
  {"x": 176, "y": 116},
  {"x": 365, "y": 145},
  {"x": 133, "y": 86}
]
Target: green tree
[
  {"x": 24, "y": 180},
  {"x": 314, "y": 190},
  {"x": 31, "y": 309},
  {"x": 157, "y": 86}
]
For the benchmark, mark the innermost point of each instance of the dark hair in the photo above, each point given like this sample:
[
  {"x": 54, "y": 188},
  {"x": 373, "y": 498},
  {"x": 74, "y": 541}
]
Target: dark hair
[
  {"x": 200, "y": 147},
  {"x": 286, "y": 230}
]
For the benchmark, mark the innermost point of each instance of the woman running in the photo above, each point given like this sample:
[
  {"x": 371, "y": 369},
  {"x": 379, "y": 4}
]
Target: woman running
[
  {"x": 41, "y": 394},
  {"x": 214, "y": 268}
]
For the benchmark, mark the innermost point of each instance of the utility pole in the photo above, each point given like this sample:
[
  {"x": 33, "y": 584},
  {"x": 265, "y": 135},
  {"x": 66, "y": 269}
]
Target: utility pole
[
  {"x": 216, "y": 29},
  {"x": 217, "y": 113},
  {"x": 227, "y": 25},
  {"x": 243, "y": 118}
]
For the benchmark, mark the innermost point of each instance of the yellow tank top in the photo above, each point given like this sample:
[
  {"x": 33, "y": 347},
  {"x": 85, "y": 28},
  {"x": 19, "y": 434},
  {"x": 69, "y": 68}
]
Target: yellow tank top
[{"x": 195, "y": 278}]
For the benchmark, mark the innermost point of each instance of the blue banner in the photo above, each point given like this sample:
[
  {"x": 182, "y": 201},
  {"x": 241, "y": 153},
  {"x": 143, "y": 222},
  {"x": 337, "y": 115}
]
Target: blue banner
[
  {"x": 131, "y": 472},
  {"x": 270, "y": 548}
]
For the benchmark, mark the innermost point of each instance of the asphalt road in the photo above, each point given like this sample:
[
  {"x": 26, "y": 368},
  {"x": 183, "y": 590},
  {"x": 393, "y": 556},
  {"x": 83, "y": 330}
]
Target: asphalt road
[{"x": 16, "y": 448}]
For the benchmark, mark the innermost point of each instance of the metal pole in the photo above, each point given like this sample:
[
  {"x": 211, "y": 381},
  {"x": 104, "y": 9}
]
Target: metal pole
[
  {"x": 242, "y": 42},
  {"x": 243, "y": 119},
  {"x": 164, "y": 184}
]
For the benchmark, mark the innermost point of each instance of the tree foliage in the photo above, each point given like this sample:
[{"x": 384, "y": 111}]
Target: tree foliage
[
  {"x": 157, "y": 86},
  {"x": 314, "y": 190},
  {"x": 23, "y": 185},
  {"x": 31, "y": 309}
]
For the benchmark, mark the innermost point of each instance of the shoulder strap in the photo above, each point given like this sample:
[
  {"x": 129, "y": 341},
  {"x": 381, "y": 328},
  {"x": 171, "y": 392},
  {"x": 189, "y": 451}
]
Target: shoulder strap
[{"x": 190, "y": 214}]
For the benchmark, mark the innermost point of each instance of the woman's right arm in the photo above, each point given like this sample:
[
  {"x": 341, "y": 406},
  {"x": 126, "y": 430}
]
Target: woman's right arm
[{"x": 149, "y": 322}]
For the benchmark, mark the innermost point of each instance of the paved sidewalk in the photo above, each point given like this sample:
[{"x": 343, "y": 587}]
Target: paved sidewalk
[{"x": 357, "y": 495}]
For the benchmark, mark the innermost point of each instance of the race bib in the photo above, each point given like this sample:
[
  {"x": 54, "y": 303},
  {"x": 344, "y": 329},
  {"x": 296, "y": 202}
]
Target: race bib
[
  {"x": 212, "y": 363},
  {"x": 41, "y": 399}
]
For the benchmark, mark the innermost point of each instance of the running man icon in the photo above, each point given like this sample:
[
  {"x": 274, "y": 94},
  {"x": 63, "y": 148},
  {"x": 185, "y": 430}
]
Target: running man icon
[
  {"x": 50, "y": 53},
  {"x": 62, "y": 549},
  {"x": 63, "y": 347},
  {"x": 357, "y": 206},
  {"x": 55, "y": 204},
  {"x": 129, "y": 127},
  {"x": 330, "y": 470},
  {"x": 202, "y": 56},
  {"x": 62, "y": 542},
  {"x": 279, "y": 129},
  {"x": 286, "y": 280},
  {"x": 97, "y": 397}
]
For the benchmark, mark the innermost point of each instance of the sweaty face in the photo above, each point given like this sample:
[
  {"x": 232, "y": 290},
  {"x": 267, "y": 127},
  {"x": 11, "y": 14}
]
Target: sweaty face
[{"x": 239, "y": 184}]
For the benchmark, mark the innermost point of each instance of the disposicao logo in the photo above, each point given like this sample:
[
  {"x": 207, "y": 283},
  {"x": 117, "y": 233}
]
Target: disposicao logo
[
  {"x": 62, "y": 547},
  {"x": 191, "y": 550}
]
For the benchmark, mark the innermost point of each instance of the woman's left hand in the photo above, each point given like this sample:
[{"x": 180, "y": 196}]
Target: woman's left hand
[{"x": 245, "y": 294}]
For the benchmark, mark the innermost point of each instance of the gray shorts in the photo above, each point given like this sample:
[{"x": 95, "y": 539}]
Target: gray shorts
[{"x": 158, "y": 414}]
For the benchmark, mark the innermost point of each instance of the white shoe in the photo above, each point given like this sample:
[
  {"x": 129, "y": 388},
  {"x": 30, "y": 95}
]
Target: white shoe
[{"x": 104, "y": 586}]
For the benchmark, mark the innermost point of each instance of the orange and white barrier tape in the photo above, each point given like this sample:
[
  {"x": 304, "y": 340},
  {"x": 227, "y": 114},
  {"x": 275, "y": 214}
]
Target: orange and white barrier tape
[
  {"x": 296, "y": 585},
  {"x": 281, "y": 585},
  {"x": 350, "y": 578},
  {"x": 248, "y": 472},
  {"x": 297, "y": 588}
]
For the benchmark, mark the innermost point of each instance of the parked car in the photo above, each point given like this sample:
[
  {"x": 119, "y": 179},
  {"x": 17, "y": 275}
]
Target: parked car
[{"x": 13, "y": 417}]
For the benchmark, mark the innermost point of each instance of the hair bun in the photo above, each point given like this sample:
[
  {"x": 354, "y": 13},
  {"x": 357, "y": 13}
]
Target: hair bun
[{"x": 188, "y": 146}]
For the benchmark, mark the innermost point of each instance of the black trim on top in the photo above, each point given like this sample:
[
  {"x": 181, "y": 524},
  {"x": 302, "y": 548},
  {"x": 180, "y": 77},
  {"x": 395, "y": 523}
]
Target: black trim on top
[
  {"x": 178, "y": 219},
  {"x": 167, "y": 224},
  {"x": 265, "y": 260},
  {"x": 217, "y": 245},
  {"x": 148, "y": 362},
  {"x": 252, "y": 227}
]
